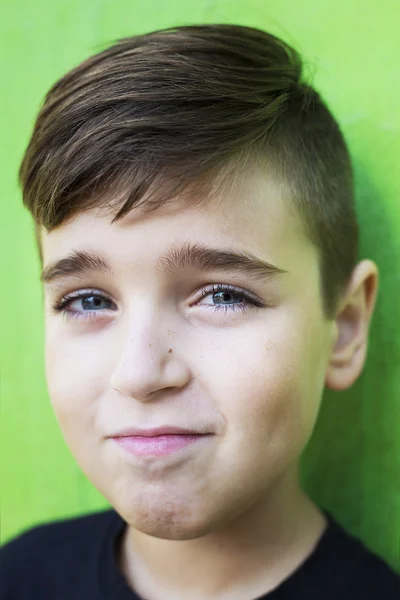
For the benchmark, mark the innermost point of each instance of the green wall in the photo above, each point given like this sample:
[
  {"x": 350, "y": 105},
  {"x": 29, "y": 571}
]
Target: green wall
[{"x": 352, "y": 466}]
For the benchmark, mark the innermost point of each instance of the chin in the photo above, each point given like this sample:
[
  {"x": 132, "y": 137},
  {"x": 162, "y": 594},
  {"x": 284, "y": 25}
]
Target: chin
[
  {"x": 171, "y": 531},
  {"x": 168, "y": 518}
]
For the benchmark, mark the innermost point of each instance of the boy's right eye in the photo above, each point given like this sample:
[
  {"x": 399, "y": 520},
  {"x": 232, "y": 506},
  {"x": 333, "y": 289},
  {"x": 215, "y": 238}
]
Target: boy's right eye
[{"x": 90, "y": 301}]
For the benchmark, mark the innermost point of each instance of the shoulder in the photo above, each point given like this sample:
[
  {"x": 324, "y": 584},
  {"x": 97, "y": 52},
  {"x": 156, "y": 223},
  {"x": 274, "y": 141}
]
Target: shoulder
[
  {"x": 374, "y": 577},
  {"x": 49, "y": 552},
  {"x": 360, "y": 572},
  {"x": 62, "y": 535}
]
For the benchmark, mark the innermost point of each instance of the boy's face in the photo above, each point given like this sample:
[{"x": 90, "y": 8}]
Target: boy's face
[{"x": 145, "y": 350}]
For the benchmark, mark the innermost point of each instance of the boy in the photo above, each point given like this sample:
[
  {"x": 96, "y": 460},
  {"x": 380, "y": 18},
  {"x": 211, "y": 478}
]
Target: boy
[{"x": 194, "y": 212}]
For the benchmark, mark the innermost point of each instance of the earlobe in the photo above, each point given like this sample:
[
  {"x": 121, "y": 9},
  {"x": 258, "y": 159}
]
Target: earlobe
[{"x": 352, "y": 322}]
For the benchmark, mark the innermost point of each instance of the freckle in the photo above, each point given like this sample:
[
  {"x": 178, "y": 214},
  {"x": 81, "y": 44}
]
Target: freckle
[{"x": 170, "y": 350}]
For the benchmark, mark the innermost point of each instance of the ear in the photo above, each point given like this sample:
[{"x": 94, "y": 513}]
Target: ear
[{"x": 352, "y": 322}]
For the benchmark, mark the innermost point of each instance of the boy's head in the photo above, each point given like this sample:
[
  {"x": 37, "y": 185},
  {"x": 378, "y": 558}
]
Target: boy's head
[{"x": 194, "y": 208}]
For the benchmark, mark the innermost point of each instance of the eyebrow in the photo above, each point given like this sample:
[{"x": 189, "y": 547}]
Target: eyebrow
[
  {"x": 196, "y": 256},
  {"x": 77, "y": 263}
]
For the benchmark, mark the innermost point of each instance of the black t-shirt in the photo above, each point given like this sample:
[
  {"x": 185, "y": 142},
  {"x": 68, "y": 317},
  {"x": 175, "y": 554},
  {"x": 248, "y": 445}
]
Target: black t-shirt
[{"x": 74, "y": 559}]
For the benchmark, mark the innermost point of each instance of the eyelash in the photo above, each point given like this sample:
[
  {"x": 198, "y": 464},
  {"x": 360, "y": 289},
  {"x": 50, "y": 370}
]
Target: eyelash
[{"x": 250, "y": 301}]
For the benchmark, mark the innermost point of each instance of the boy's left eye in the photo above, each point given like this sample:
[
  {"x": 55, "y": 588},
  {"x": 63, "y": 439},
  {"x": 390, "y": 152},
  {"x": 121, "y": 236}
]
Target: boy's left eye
[
  {"x": 227, "y": 293},
  {"x": 226, "y": 297}
]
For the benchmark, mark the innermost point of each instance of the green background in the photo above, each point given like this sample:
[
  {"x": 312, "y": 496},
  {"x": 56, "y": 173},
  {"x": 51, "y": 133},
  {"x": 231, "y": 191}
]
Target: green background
[{"x": 352, "y": 465}]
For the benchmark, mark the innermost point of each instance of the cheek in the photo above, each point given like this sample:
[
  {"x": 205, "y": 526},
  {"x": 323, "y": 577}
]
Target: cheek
[
  {"x": 75, "y": 381},
  {"x": 269, "y": 390},
  {"x": 74, "y": 378}
]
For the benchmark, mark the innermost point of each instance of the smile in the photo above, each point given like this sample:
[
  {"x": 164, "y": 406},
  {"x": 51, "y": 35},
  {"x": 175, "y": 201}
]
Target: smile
[{"x": 159, "y": 445}]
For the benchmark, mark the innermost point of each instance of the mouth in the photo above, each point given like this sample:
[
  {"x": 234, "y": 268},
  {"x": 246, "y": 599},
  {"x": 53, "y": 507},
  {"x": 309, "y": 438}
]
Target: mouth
[{"x": 159, "y": 441}]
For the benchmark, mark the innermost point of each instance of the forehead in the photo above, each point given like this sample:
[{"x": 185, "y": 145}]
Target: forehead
[{"x": 254, "y": 214}]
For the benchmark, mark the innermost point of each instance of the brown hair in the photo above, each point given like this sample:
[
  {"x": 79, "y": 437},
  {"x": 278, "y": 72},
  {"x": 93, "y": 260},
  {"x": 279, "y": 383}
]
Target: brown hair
[{"x": 154, "y": 115}]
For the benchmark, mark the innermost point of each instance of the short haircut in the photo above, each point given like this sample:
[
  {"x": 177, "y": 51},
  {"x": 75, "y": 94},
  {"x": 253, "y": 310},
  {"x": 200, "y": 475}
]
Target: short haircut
[{"x": 179, "y": 109}]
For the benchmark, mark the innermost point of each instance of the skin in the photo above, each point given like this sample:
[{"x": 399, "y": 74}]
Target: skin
[{"x": 161, "y": 355}]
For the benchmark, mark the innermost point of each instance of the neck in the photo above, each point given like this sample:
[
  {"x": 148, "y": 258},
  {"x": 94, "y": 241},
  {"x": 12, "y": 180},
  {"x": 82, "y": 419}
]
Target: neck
[{"x": 247, "y": 558}]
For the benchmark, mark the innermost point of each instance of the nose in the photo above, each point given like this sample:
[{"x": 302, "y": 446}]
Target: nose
[{"x": 147, "y": 360}]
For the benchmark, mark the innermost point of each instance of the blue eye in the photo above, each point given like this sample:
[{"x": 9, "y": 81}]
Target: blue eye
[
  {"x": 224, "y": 297},
  {"x": 91, "y": 302}
]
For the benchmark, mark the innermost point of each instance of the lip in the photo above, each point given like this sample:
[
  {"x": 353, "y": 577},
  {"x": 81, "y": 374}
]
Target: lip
[
  {"x": 158, "y": 441},
  {"x": 158, "y": 445},
  {"x": 158, "y": 431}
]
